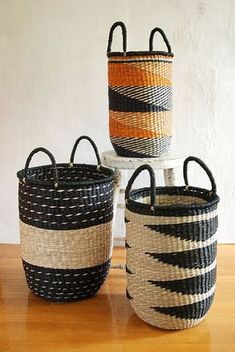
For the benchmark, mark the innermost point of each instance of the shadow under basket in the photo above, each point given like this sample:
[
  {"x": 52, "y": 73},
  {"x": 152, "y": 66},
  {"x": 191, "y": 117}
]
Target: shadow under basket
[
  {"x": 66, "y": 213},
  {"x": 171, "y": 251}
]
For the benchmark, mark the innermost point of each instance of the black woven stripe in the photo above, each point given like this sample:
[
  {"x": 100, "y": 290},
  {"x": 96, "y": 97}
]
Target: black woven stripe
[
  {"x": 192, "y": 259},
  {"x": 128, "y": 271},
  {"x": 126, "y": 220},
  {"x": 76, "y": 176},
  {"x": 191, "y": 286},
  {"x": 190, "y": 311},
  {"x": 129, "y": 153},
  {"x": 63, "y": 285},
  {"x": 140, "y": 53},
  {"x": 127, "y": 245},
  {"x": 128, "y": 295},
  {"x": 65, "y": 209},
  {"x": 193, "y": 231},
  {"x": 136, "y": 61},
  {"x": 120, "y": 102}
]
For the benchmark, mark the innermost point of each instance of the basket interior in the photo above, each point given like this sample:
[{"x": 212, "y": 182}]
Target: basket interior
[
  {"x": 168, "y": 199},
  {"x": 174, "y": 196},
  {"x": 76, "y": 173}
]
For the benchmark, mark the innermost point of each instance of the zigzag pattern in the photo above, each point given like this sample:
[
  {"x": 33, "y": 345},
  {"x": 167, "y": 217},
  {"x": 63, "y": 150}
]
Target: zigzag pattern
[
  {"x": 140, "y": 147},
  {"x": 171, "y": 267},
  {"x": 140, "y": 94},
  {"x": 198, "y": 230}
]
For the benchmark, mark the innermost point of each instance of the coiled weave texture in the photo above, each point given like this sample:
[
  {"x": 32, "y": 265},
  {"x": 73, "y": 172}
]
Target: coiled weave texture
[
  {"x": 140, "y": 101},
  {"x": 171, "y": 254},
  {"x": 65, "y": 226}
]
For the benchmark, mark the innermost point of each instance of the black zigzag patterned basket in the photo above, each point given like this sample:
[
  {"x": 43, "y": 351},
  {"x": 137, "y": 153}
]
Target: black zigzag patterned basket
[
  {"x": 171, "y": 250},
  {"x": 65, "y": 213}
]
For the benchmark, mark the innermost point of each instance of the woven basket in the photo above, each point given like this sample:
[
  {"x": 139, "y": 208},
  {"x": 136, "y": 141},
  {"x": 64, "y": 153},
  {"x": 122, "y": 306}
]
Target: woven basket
[
  {"x": 65, "y": 213},
  {"x": 171, "y": 251},
  {"x": 140, "y": 98}
]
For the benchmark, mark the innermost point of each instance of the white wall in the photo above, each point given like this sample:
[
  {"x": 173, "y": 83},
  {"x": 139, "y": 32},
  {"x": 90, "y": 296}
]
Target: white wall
[{"x": 53, "y": 84}]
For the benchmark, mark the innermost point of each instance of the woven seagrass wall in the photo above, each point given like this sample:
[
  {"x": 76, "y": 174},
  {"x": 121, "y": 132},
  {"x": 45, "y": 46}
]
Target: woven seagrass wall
[{"x": 53, "y": 84}]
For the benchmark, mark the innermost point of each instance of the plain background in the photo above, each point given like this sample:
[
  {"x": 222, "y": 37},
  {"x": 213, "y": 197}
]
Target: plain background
[{"x": 53, "y": 86}]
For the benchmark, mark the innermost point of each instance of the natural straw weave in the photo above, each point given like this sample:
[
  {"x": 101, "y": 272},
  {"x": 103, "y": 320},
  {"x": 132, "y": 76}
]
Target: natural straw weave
[
  {"x": 66, "y": 212},
  {"x": 140, "y": 98},
  {"x": 171, "y": 250}
]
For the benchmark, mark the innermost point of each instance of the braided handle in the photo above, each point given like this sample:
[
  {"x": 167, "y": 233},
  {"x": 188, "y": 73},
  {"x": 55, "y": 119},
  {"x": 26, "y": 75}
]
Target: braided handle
[
  {"x": 205, "y": 168},
  {"x": 53, "y": 162},
  {"x": 159, "y": 30},
  {"x": 152, "y": 182},
  {"x": 93, "y": 146},
  {"x": 124, "y": 36}
]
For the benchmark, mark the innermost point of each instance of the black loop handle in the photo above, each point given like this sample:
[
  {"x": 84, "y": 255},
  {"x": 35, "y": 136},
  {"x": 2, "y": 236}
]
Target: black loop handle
[
  {"x": 53, "y": 162},
  {"x": 93, "y": 146},
  {"x": 124, "y": 36},
  {"x": 159, "y": 30},
  {"x": 205, "y": 168},
  {"x": 152, "y": 182}
]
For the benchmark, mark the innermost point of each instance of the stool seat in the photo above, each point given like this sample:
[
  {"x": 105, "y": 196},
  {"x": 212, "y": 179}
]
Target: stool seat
[{"x": 168, "y": 161}]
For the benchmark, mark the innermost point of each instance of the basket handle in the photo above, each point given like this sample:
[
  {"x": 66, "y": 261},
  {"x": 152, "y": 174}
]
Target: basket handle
[
  {"x": 159, "y": 30},
  {"x": 53, "y": 162},
  {"x": 93, "y": 146},
  {"x": 205, "y": 168},
  {"x": 124, "y": 36},
  {"x": 152, "y": 182}
]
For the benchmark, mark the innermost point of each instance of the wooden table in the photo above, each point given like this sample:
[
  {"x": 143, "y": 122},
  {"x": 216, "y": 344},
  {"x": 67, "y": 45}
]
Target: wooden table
[{"x": 106, "y": 322}]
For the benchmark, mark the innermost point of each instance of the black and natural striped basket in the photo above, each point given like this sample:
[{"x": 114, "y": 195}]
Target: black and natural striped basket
[
  {"x": 171, "y": 250},
  {"x": 65, "y": 214},
  {"x": 140, "y": 98}
]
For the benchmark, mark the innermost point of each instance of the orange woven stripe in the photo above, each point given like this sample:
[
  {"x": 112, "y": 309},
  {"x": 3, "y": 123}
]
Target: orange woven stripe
[
  {"x": 159, "y": 68},
  {"x": 129, "y": 75},
  {"x": 121, "y": 130},
  {"x": 155, "y": 123}
]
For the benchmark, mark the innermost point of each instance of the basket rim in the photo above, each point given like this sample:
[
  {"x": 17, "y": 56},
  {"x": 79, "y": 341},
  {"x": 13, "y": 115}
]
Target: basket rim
[
  {"x": 137, "y": 53},
  {"x": 147, "y": 209},
  {"x": 110, "y": 175}
]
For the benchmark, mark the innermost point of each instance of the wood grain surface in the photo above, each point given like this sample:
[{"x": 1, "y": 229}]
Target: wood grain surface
[{"x": 106, "y": 322}]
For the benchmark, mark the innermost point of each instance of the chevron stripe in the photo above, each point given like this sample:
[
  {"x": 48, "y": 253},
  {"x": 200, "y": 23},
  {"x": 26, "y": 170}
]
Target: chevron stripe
[
  {"x": 159, "y": 68},
  {"x": 199, "y": 230},
  {"x": 155, "y": 95},
  {"x": 131, "y": 154},
  {"x": 155, "y": 122},
  {"x": 119, "y": 102},
  {"x": 120, "y": 74},
  {"x": 196, "y": 258},
  {"x": 158, "y": 270},
  {"x": 128, "y": 295},
  {"x": 153, "y": 295},
  {"x": 160, "y": 320},
  {"x": 145, "y": 146},
  {"x": 127, "y": 245},
  {"x": 191, "y": 311},
  {"x": 163, "y": 243},
  {"x": 193, "y": 285},
  {"x": 119, "y": 129},
  {"x": 128, "y": 271}
]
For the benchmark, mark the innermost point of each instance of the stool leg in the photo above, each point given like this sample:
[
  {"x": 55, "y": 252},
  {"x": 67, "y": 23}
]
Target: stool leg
[
  {"x": 117, "y": 186},
  {"x": 169, "y": 177}
]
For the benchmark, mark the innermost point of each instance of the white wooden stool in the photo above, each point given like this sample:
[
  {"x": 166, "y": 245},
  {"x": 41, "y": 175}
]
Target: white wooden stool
[{"x": 167, "y": 163}]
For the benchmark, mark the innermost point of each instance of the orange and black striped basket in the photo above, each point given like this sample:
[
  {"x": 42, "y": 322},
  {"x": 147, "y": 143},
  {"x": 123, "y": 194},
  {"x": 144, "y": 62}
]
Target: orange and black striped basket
[{"x": 140, "y": 98}]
